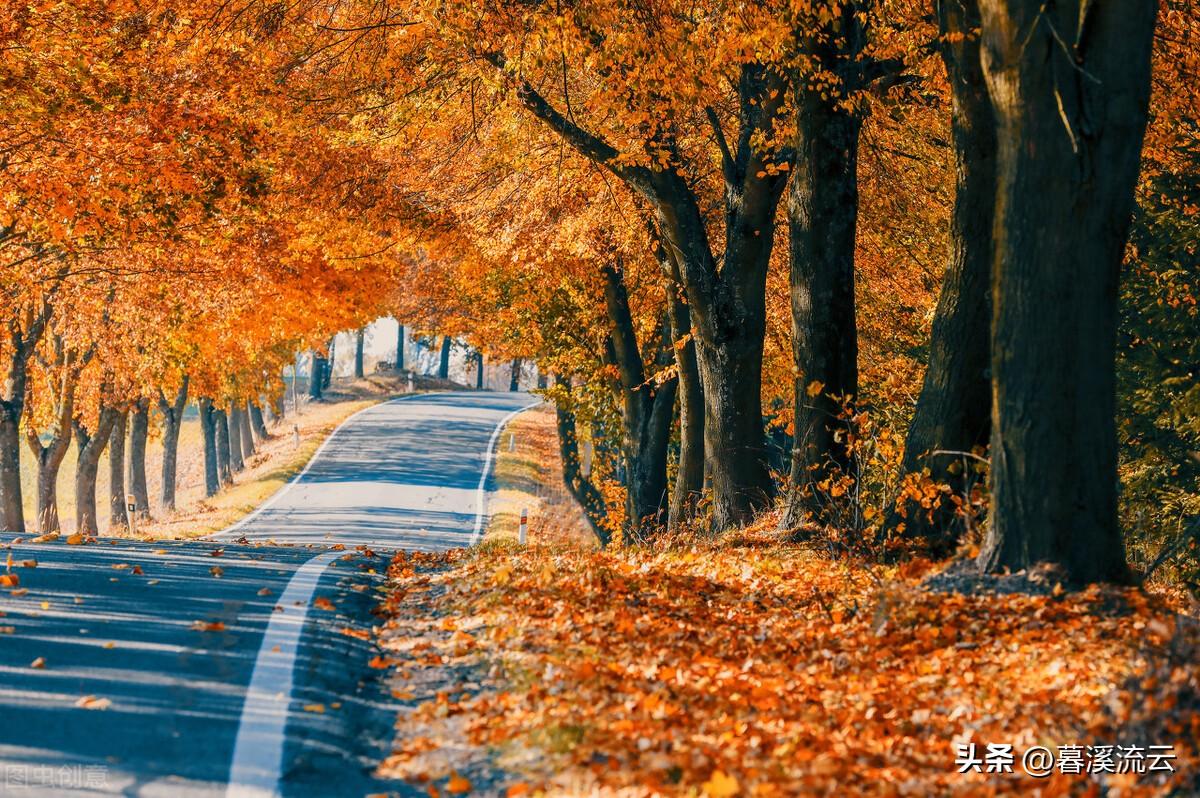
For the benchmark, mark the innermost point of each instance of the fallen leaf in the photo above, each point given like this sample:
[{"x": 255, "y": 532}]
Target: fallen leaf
[
  {"x": 9, "y": 580},
  {"x": 216, "y": 571},
  {"x": 40, "y": 662},
  {"x": 266, "y": 591},
  {"x": 137, "y": 570},
  {"x": 75, "y": 539},
  {"x": 721, "y": 785},
  {"x": 208, "y": 626},
  {"x": 318, "y": 708},
  {"x": 323, "y": 603},
  {"x": 520, "y": 788},
  {"x": 458, "y": 785},
  {"x": 92, "y": 702}
]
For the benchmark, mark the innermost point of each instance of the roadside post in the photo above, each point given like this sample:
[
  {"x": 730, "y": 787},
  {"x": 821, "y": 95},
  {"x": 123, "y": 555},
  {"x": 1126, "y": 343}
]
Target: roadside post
[
  {"x": 512, "y": 441},
  {"x": 131, "y": 513},
  {"x": 296, "y": 436},
  {"x": 523, "y": 530},
  {"x": 410, "y": 382}
]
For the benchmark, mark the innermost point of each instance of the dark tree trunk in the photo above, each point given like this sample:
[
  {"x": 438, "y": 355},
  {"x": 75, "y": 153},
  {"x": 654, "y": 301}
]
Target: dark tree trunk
[
  {"x": 954, "y": 409},
  {"x": 13, "y": 519},
  {"x": 90, "y": 446},
  {"x": 172, "y": 413},
  {"x": 316, "y": 375},
  {"x": 400, "y": 349},
  {"x": 118, "y": 518},
  {"x": 479, "y": 371},
  {"x": 689, "y": 478},
  {"x": 444, "y": 365},
  {"x": 208, "y": 428},
  {"x": 647, "y": 411},
  {"x": 49, "y": 459},
  {"x": 514, "y": 382},
  {"x": 224, "y": 464},
  {"x": 580, "y": 487},
  {"x": 1070, "y": 87},
  {"x": 359, "y": 345},
  {"x": 139, "y": 431},
  {"x": 234, "y": 422},
  {"x": 257, "y": 423},
  {"x": 246, "y": 437},
  {"x": 822, "y": 223},
  {"x": 330, "y": 365}
]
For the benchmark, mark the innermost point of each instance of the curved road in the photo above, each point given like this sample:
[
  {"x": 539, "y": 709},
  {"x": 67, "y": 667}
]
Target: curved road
[{"x": 208, "y": 668}]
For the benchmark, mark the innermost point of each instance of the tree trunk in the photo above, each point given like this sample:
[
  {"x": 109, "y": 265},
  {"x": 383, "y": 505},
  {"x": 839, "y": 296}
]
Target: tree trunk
[
  {"x": 90, "y": 446},
  {"x": 689, "y": 478},
  {"x": 646, "y": 412},
  {"x": 400, "y": 349},
  {"x": 233, "y": 420},
  {"x": 514, "y": 382},
  {"x": 822, "y": 223},
  {"x": 257, "y": 423},
  {"x": 49, "y": 459},
  {"x": 13, "y": 519},
  {"x": 139, "y": 431},
  {"x": 580, "y": 487},
  {"x": 172, "y": 413},
  {"x": 444, "y": 365},
  {"x": 208, "y": 428},
  {"x": 118, "y": 518},
  {"x": 224, "y": 464},
  {"x": 954, "y": 409},
  {"x": 246, "y": 437},
  {"x": 330, "y": 365},
  {"x": 359, "y": 344},
  {"x": 1070, "y": 86},
  {"x": 316, "y": 375},
  {"x": 479, "y": 370}
]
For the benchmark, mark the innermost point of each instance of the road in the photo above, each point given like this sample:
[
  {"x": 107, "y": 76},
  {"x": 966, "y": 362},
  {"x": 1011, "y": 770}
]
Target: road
[{"x": 219, "y": 667}]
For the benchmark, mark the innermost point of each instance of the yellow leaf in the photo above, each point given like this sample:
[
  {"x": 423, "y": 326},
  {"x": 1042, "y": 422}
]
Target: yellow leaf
[
  {"x": 720, "y": 785},
  {"x": 458, "y": 784},
  {"x": 815, "y": 387}
]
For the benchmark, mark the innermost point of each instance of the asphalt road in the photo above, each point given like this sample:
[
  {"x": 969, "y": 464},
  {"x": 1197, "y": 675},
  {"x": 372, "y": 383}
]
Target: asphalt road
[{"x": 220, "y": 667}]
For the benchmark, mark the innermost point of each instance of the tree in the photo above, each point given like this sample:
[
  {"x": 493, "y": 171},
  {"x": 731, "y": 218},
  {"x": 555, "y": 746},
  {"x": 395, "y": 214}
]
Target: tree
[
  {"x": 359, "y": 343},
  {"x": 1070, "y": 87},
  {"x": 953, "y": 414},
  {"x": 172, "y": 416},
  {"x": 444, "y": 362}
]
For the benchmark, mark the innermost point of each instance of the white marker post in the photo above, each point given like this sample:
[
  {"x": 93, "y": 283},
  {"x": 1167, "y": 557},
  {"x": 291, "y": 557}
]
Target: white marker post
[
  {"x": 410, "y": 382},
  {"x": 523, "y": 530},
  {"x": 131, "y": 512},
  {"x": 512, "y": 441},
  {"x": 296, "y": 436}
]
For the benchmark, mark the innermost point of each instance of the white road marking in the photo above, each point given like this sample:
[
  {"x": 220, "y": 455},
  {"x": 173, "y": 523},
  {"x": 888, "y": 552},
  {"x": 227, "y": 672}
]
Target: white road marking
[
  {"x": 258, "y": 749},
  {"x": 256, "y": 768},
  {"x": 480, "y": 493}
]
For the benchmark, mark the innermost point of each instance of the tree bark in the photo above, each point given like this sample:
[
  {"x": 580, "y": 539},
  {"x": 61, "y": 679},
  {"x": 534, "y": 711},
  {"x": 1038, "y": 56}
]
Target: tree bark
[
  {"x": 400, "y": 349},
  {"x": 90, "y": 446},
  {"x": 224, "y": 464},
  {"x": 444, "y": 365},
  {"x": 208, "y": 428},
  {"x": 118, "y": 518},
  {"x": 953, "y": 412},
  {"x": 359, "y": 346},
  {"x": 257, "y": 422},
  {"x": 233, "y": 420},
  {"x": 172, "y": 413},
  {"x": 245, "y": 436},
  {"x": 479, "y": 370},
  {"x": 579, "y": 486},
  {"x": 822, "y": 224},
  {"x": 689, "y": 478},
  {"x": 13, "y": 517},
  {"x": 331, "y": 364},
  {"x": 49, "y": 457},
  {"x": 139, "y": 431},
  {"x": 647, "y": 411},
  {"x": 514, "y": 382},
  {"x": 1070, "y": 86},
  {"x": 316, "y": 375},
  {"x": 25, "y": 330}
]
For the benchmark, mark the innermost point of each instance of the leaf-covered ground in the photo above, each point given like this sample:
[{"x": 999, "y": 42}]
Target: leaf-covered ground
[{"x": 758, "y": 669}]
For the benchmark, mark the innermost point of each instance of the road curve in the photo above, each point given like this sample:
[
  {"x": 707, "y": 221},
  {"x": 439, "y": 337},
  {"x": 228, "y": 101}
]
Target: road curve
[{"x": 168, "y": 646}]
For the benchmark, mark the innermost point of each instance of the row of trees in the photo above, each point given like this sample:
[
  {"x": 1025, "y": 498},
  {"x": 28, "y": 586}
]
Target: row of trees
[
  {"x": 646, "y": 196},
  {"x": 814, "y": 256}
]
